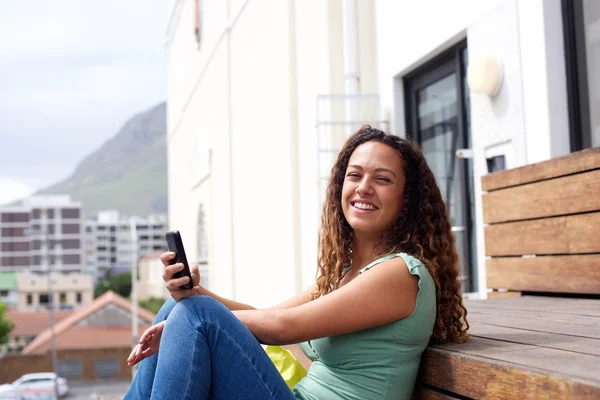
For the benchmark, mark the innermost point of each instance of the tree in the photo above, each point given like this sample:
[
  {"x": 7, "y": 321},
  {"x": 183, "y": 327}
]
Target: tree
[
  {"x": 6, "y": 325},
  {"x": 120, "y": 284},
  {"x": 152, "y": 304}
]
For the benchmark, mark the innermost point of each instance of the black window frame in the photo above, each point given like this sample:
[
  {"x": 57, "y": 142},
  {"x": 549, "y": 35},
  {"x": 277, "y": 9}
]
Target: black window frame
[
  {"x": 578, "y": 100},
  {"x": 448, "y": 62}
]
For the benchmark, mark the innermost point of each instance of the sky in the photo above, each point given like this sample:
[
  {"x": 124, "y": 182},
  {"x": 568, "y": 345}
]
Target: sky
[{"x": 71, "y": 73}]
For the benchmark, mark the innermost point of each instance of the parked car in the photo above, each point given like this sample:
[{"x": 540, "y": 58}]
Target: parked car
[{"x": 35, "y": 386}]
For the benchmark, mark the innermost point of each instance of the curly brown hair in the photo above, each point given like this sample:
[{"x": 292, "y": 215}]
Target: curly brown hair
[{"x": 423, "y": 231}]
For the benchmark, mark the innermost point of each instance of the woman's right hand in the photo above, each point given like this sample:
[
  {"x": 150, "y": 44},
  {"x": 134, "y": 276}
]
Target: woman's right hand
[{"x": 173, "y": 284}]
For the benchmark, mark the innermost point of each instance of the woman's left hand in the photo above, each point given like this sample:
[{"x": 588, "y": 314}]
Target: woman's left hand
[{"x": 147, "y": 345}]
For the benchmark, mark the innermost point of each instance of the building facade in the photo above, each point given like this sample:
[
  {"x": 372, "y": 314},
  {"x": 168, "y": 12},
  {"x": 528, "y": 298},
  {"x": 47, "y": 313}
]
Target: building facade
[
  {"x": 43, "y": 232},
  {"x": 262, "y": 94},
  {"x": 73, "y": 290},
  {"x": 113, "y": 242},
  {"x": 150, "y": 282}
]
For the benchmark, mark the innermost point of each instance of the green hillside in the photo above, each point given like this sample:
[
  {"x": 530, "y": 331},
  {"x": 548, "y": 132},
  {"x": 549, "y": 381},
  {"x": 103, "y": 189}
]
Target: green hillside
[{"x": 127, "y": 173}]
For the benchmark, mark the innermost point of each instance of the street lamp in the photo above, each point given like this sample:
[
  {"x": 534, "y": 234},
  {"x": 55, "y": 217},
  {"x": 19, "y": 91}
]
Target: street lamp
[{"x": 46, "y": 262}]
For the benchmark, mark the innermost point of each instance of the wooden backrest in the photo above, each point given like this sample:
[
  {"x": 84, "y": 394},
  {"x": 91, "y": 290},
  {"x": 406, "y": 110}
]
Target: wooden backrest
[{"x": 543, "y": 226}]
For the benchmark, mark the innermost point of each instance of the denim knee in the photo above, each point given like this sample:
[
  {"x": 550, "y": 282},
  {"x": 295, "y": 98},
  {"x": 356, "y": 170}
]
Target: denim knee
[
  {"x": 202, "y": 308},
  {"x": 206, "y": 303},
  {"x": 164, "y": 311}
]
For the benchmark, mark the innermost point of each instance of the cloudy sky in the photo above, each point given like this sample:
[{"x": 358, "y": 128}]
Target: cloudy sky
[{"x": 71, "y": 73}]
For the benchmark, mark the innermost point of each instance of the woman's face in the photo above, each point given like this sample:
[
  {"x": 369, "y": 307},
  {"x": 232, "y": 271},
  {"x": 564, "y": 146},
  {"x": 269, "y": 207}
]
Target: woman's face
[{"x": 373, "y": 191}]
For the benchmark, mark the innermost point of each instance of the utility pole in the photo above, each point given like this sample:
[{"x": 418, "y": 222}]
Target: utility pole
[
  {"x": 48, "y": 266},
  {"x": 134, "y": 301}
]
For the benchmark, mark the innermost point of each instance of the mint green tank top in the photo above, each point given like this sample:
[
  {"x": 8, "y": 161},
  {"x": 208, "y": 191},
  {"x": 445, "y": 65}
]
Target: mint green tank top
[{"x": 379, "y": 363}]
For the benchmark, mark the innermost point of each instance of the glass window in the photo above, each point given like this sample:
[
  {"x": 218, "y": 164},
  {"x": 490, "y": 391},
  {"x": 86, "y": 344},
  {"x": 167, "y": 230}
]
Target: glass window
[
  {"x": 67, "y": 213},
  {"x": 591, "y": 22},
  {"x": 581, "y": 28},
  {"x": 44, "y": 298},
  {"x": 70, "y": 228}
]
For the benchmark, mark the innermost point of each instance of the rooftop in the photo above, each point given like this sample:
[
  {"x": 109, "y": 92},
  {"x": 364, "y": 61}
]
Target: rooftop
[{"x": 89, "y": 328}]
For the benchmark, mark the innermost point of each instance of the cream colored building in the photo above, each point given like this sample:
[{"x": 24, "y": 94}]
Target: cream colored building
[
  {"x": 70, "y": 291},
  {"x": 150, "y": 282},
  {"x": 263, "y": 92}
]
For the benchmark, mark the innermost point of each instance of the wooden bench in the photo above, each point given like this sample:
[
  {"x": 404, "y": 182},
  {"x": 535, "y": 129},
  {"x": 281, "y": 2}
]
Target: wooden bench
[{"x": 538, "y": 334}]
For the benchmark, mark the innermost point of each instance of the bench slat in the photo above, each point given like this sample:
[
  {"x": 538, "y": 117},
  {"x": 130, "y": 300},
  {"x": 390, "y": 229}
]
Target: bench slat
[
  {"x": 539, "y": 325},
  {"x": 564, "y": 318},
  {"x": 573, "y": 234},
  {"x": 559, "y": 274},
  {"x": 561, "y": 196},
  {"x": 587, "y": 307},
  {"x": 539, "y": 339},
  {"x": 553, "y": 362},
  {"x": 580, "y": 161},
  {"x": 474, "y": 377}
]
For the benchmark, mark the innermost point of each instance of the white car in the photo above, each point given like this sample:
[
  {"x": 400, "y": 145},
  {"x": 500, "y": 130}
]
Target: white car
[{"x": 36, "y": 386}]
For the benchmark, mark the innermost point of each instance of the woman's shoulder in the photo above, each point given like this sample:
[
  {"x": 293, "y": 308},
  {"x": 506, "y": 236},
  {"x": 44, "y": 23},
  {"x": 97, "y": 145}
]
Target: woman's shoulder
[{"x": 412, "y": 263}]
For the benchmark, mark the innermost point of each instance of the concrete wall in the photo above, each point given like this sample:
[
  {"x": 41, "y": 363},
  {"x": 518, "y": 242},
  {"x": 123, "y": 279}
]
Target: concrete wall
[{"x": 14, "y": 366}]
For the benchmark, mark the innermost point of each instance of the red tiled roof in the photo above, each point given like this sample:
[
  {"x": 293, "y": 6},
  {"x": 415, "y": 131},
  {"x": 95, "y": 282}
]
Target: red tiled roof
[
  {"x": 96, "y": 337},
  {"x": 66, "y": 330},
  {"x": 31, "y": 323}
]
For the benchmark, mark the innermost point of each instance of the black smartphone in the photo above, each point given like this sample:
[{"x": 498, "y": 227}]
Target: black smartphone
[{"x": 175, "y": 244}]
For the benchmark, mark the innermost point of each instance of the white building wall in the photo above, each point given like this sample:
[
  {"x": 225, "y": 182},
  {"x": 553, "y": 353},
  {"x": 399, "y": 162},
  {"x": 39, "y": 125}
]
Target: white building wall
[{"x": 242, "y": 138}]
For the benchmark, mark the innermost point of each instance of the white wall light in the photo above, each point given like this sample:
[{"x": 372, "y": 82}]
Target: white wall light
[{"x": 485, "y": 75}]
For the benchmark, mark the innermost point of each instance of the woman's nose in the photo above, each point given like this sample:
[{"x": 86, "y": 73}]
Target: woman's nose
[{"x": 364, "y": 187}]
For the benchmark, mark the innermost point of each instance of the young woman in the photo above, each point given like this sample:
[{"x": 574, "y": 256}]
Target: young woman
[{"x": 387, "y": 283}]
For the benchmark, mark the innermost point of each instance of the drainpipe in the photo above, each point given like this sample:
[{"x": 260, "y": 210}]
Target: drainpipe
[{"x": 351, "y": 76}]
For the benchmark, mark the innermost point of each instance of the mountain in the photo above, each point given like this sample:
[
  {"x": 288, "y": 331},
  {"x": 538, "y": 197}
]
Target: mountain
[{"x": 127, "y": 173}]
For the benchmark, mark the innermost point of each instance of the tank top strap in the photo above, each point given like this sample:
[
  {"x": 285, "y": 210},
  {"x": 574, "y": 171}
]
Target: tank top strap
[{"x": 379, "y": 261}]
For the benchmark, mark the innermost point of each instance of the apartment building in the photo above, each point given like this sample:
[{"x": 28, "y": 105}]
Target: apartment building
[
  {"x": 113, "y": 242},
  {"x": 42, "y": 232}
]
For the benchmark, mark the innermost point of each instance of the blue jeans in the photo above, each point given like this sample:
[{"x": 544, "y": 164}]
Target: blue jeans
[{"x": 206, "y": 353}]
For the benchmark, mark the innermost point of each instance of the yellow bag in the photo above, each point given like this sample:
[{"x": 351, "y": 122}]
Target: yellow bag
[{"x": 288, "y": 366}]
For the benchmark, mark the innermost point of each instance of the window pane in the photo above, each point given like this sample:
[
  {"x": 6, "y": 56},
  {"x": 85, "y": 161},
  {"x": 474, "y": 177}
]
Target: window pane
[
  {"x": 70, "y": 228},
  {"x": 591, "y": 18},
  {"x": 107, "y": 368},
  {"x": 69, "y": 213}
]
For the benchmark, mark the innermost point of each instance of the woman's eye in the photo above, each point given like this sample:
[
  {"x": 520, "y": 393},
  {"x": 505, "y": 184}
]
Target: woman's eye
[
  {"x": 353, "y": 175},
  {"x": 383, "y": 179}
]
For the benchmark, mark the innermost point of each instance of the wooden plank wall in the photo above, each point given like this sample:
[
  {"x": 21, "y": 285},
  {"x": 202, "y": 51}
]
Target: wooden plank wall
[{"x": 542, "y": 230}]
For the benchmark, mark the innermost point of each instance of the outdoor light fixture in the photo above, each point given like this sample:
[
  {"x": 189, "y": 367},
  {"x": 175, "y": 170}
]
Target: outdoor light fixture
[{"x": 485, "y": 75}]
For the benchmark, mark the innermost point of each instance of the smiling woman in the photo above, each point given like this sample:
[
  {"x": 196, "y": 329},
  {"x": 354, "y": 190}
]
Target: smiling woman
[{"x": 386, "y": 285}]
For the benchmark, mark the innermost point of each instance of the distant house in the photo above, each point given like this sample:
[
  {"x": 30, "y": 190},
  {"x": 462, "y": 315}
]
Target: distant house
[
  {"x": 106, "y": 322},
  {"x": 73, "y": 290},
  {"x": 29, "y": 324},
  {"x": 92, "y": 342}
]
